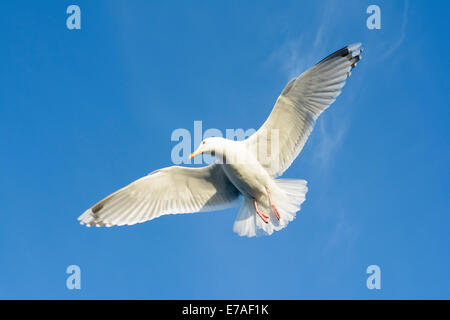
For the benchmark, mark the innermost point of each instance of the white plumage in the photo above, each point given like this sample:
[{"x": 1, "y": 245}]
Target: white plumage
[{"x": 244, "y": 168}]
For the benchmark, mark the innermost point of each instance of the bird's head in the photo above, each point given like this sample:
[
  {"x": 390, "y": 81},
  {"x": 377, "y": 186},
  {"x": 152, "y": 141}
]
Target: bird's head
[{"x": 213, "y": 146}]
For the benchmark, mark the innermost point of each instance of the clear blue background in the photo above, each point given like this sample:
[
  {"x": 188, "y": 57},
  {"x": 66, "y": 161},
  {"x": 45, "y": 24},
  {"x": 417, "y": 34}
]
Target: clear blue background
[{"x": 85, "y": 112}]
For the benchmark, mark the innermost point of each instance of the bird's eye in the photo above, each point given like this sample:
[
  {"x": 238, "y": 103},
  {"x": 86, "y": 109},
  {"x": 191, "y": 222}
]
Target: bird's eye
[{"x": 203, "y": 142}]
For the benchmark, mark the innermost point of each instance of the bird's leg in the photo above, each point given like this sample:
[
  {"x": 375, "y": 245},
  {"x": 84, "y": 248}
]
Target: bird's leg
[
  {"x": 275, "y": 210},
  {"x": 260, "y": 213}
]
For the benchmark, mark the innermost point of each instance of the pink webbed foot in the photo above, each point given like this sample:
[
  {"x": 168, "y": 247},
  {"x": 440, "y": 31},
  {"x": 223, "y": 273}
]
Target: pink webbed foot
[
  {"x": 275, "y": 210},
  {"x": 260, "y": 213}
]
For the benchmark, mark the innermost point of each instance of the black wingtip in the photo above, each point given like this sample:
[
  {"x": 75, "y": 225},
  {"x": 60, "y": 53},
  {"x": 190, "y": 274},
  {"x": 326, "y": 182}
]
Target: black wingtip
[
  {"x": 345, "y": 52},
  {"x": 355, "y": 61},
  {"x": 340, "y": 53},
  {"x": 97, "y": 207}
]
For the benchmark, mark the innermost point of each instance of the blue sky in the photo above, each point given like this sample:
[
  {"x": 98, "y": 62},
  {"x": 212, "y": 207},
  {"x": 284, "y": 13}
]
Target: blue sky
[{"x": 85, "y": 112}]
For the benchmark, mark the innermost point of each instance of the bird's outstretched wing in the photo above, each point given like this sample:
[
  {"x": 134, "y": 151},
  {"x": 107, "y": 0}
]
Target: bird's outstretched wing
[
  {"x": 166, "y": 191},
  {"x": 281, "y": 138}
]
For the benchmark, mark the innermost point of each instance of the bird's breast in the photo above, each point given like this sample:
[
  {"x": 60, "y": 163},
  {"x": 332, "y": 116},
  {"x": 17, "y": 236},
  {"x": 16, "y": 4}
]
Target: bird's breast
[{"x": 249, "y": 179}]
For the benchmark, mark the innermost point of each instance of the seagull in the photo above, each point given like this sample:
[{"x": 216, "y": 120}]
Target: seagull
[{"x": 246, "y": 169}]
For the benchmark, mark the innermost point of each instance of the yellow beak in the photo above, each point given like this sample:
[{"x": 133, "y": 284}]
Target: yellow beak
[{"x": 193, "y": 154}]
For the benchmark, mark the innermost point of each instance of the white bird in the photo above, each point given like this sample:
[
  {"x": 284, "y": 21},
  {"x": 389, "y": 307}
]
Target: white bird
[{"x": 244, "y": 169}]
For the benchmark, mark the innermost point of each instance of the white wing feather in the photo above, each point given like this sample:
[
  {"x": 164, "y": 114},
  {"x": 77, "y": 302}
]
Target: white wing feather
[
  {"x": 166, "y": 191},
  {"x": 298, "y": 107}
]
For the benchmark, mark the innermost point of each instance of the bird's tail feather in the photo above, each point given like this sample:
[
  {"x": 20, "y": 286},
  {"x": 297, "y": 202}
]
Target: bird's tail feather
[{"x": 287, "y": 197}]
